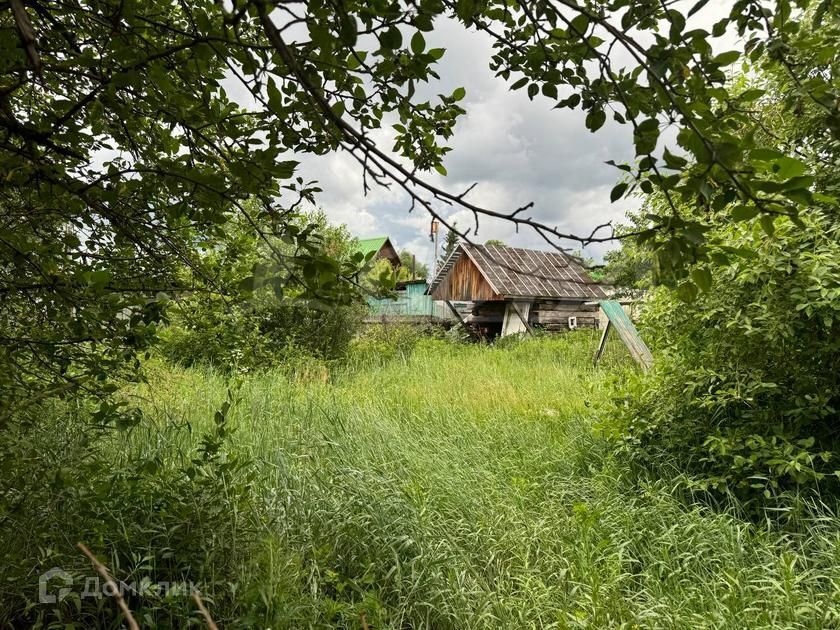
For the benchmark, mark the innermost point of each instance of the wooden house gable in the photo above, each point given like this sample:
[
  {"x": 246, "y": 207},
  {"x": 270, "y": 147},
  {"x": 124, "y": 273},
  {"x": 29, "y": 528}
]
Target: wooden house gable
[
  {"x": 389, "y": 253},
  {"x": 465, "y": 282}
]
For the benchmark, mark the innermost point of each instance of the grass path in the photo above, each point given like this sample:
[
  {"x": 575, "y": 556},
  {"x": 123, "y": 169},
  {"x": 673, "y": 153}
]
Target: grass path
[{"x": 465, "y": 487}]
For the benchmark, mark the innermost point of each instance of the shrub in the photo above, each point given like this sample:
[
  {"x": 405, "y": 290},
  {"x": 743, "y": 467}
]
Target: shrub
[
  {"x": 204, "y": 333},
  {"x": 746, "y": 387},
  {"x": 263, "y": 333},
  {"x": 268, "y": 315}
]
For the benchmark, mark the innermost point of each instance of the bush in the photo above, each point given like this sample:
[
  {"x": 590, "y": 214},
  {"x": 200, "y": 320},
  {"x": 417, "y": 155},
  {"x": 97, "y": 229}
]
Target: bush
[
  {"x": 263, "y": 333},
  {"x": 746, "y": 387}
]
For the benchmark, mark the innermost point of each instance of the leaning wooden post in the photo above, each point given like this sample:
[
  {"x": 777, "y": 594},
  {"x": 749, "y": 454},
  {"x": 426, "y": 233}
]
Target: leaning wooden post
[
  {"x": 458, "y": 317},
  {"x": 528, "y": 327},
  {"x": 602, "y": 344}
]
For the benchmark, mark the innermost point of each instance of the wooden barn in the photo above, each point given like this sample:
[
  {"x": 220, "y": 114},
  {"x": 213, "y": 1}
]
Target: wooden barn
[{"x": 513, "y": 290}]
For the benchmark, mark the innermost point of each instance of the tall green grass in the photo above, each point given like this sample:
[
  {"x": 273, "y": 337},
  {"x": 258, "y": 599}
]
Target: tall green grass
[{"x": 450, "y": 486}]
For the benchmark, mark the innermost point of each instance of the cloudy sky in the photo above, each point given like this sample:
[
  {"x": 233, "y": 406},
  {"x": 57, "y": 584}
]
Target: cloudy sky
[{"x": 517, "y": 150}]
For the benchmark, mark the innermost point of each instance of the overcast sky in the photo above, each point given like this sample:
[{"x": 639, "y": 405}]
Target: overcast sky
[{"x": 517, "y": 150}]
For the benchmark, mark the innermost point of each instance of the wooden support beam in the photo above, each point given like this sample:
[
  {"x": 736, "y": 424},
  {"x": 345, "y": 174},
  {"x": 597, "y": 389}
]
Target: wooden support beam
[
  {"x": 510, "y": 325},
  {"x": 522, "y": 319},
  {"x": 602, "y": 344},
  {"x": 458, "y": 317}
]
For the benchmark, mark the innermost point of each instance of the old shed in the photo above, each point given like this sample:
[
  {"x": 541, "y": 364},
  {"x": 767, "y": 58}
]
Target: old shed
[{"x": 514, "y": 290}]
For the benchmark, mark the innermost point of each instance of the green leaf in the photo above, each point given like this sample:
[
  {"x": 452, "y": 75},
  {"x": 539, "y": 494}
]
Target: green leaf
[
  {"x": 423, "y": 21},
  {"x": 687, "y": 292},
  {"x": 675, "y": 32},
  {"x": 570, "y": 101},
  {"x": 751, "y": 95},
  {"x": 690, "y": 140},
  {"x": 623, "y": 167},
  {"x": 348, "y": 29},
  {"x": 579, "y": 25},
  {"x": 618, "y": 191},
  {"x": 285, "y": 169},
  {"x": 765, "y": 155},
  {"x": 697, "y": 6},
  {"x": 418, "y": 43},
  {"x": 275, "y": 98},
  {"x": 800, "y": 181},
  {"x": 646, "y": 136},
  {"x": 788, "y": 167},
  {"x": 726, "y": 58},
  {"x": 391, "y": 39},
  {"x": 673, "y": 161},
  {"x": 744, "y": 212},
  {"x": 321, "y": 35},
  {"x": 99, "y": 278},
  {"x": 246, "y": 284},
  {"x": 440, "y": 169},
  {"x": 743, "y": 252},
  {"x": 702, "y": 278},
  {"x": 801, "y": 196},
  {"x": 519, "y": 83},
  {"x": 768, "y": 224},
  {"x": 595, "y": 119},
  {"x": 355, "y": 59},
  {"x": 466, "y": 9},
  {"x": 459, "y": 93}
]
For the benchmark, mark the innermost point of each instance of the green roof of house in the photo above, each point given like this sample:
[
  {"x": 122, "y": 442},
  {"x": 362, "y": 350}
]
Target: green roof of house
[{"x": 367, "y": 245}]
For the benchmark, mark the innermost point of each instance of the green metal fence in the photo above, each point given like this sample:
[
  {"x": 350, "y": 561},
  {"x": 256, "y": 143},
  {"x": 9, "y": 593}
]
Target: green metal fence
[{"x": 411, "y": 301}]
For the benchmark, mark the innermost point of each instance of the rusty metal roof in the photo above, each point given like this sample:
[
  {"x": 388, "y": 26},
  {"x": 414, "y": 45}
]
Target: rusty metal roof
[{"x": 515, "y": 272}]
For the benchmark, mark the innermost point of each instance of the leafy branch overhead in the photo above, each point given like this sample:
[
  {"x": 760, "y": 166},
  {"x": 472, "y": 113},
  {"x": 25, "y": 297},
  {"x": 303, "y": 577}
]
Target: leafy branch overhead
[
  {"x": 145, "y": 79},
  {"x": 123, "y": 157}
]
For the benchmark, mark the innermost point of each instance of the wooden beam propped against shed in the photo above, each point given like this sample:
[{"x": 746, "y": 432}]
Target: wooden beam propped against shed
[
  {"x": 524, "y": 321},
  {"x": 458, "y": 317}
]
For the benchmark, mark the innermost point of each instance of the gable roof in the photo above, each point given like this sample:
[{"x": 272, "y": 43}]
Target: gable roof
[
  {"x": 515, "y": 272},
  {"x": 381, "y": 247},
  {"x": 374, "y": 244}
]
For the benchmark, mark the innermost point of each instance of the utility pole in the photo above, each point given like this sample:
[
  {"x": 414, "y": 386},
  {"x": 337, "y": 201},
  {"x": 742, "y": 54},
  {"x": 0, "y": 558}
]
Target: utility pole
[{"x": 433, "y": 236}]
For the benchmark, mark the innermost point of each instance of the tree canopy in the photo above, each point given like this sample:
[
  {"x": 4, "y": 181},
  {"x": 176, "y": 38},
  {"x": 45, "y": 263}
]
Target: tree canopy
[
  {"x": 123, "y": 156},
  {"x": 412, "y": 266}
]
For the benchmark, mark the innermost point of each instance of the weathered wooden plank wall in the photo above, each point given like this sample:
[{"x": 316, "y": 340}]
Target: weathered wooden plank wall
[
  {"x": 554, "y": 316},
  {"x": 548, "y": 315},
  {"x": 465, "y": 282},
  {"x": 516, "y": 318}
]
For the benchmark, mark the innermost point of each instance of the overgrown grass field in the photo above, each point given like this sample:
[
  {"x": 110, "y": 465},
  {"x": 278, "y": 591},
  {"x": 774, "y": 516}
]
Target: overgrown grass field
[{"x": 449, "y": 486}]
